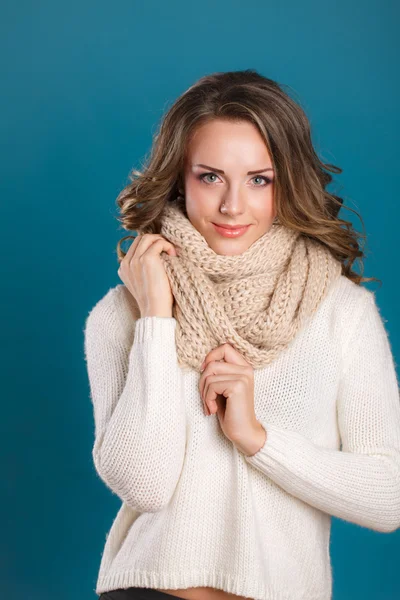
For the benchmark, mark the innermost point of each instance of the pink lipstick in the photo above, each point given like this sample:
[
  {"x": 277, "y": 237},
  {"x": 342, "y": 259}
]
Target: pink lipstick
[{"x": 231, "y": 232}]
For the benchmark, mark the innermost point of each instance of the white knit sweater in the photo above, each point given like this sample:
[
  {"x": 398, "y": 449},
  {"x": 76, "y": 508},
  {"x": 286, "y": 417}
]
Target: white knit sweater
[{"x": 195, "y": 510}]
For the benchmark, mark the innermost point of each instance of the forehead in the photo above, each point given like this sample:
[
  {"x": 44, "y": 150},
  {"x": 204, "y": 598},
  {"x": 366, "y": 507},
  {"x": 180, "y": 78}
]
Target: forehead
[{"x": 225, "y": 144}]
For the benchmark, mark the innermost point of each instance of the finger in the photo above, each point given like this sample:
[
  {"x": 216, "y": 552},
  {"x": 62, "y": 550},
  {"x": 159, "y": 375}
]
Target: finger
[
  {"x": 219, "y": 385},
  {"x": 205, "y": 408},
  {"x": 219, "y": 388},
  {"x": 219, "y": 368},
  {"x": 145, "y": 242},
  {"x": 129, "y": 252},
  {"x": 159, "y": 245},
  {"x": 125, "y": 262},
  {"x": 132, "y": 248},
  {"x": 228, "y": 353}
]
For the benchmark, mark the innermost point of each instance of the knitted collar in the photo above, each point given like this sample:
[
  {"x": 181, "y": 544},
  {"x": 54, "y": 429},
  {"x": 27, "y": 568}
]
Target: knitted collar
[{"x": 257, "y": 301}]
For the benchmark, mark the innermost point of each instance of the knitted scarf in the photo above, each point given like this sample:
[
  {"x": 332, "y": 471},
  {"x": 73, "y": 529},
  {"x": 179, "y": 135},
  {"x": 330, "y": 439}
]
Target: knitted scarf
[{"x": 257, "y": 301}]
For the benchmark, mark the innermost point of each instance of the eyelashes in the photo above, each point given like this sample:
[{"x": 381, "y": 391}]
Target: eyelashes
[{"x": 267, "y": 180}]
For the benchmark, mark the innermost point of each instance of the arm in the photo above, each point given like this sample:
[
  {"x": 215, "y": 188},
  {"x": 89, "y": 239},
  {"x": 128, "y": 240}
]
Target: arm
[
  {"x": 361, "y": 482},
  {"x": 139, "y": 413}
]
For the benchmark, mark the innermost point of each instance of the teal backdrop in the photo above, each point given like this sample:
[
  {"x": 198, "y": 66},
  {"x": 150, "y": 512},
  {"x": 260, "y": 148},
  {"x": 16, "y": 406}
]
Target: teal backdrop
[{"x": 84, "y": 85}]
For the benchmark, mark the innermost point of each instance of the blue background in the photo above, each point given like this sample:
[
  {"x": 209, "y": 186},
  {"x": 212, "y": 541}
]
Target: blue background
[{"x": 84, "y": 85}]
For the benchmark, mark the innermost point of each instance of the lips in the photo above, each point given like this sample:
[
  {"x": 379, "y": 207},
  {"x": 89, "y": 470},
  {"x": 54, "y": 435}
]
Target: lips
[
  {"x": 230, "y": 226},
  {"x": 232, "y": 231}
]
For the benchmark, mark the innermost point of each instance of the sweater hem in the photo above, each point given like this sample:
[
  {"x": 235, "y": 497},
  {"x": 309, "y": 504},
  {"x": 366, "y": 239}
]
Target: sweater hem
[{"x": 198, "y": 578}]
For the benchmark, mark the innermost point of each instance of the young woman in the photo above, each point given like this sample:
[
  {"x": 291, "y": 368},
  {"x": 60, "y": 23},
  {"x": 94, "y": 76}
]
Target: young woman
[{"x": 242, "y": 379}]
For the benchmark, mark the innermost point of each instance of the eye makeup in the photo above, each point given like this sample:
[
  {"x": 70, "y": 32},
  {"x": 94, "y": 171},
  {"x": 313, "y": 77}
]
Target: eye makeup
[{"x": 201, "y": 177}]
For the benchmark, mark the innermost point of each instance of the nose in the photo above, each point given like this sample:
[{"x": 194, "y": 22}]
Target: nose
[{"x": 234, "y": 202}]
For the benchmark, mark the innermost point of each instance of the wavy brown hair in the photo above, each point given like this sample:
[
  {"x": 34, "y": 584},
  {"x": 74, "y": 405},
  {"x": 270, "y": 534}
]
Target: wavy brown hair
[{"x": 301, "y": 199}]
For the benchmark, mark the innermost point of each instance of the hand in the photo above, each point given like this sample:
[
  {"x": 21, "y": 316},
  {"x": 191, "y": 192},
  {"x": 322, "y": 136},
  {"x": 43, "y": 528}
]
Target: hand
[
  {"x": 143, "y": 273},
  {"x": 227, "y": 388}
]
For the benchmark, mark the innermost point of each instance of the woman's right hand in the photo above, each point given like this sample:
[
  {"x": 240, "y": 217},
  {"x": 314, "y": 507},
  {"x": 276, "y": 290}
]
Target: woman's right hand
[{"x": 143, "y": 273}]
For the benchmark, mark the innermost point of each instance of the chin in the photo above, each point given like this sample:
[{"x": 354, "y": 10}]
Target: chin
[{"x": 229, "y": 247}]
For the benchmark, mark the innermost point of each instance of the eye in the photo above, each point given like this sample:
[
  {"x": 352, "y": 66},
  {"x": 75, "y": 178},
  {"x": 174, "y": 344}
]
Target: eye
[
  {"x": 267, "y": 180},
  {"x": 203, "y": 175}
]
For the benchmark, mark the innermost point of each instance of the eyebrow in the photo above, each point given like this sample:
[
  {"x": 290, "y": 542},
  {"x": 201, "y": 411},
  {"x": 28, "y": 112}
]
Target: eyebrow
[{"x": 223, "y": 172}]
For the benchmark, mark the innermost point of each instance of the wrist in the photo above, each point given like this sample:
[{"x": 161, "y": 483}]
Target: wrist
[
  {"x": 157, "y": 312},
  {"x": 255, "y": 442}
]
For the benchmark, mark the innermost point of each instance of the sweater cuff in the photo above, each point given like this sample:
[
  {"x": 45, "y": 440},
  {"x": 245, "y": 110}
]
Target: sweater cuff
[
  {"x": 160, "y": 329},
  {"x": 278, "y": 447}
]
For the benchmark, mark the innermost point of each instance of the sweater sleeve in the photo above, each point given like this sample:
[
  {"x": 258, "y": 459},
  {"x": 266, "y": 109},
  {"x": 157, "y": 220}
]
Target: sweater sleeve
[
  {"x": 361, "y": 482},
  {"x": 137, "y": 395}
]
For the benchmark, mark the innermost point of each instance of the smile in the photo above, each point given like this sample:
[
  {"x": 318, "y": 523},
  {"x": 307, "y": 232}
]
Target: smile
[{"x": 231, "y": 233}]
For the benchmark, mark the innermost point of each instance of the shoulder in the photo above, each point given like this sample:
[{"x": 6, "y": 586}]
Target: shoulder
[
  {"x": 351, "y": 307},
  {"x": 350, "y": 296},
  {"x": 115, "y": 313}
]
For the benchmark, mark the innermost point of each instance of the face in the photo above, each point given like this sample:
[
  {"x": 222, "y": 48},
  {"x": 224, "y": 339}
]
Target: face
[{"x": 228, "y": 163}]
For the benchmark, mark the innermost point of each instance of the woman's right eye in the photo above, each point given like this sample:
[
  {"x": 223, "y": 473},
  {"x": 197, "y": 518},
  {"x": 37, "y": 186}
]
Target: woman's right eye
[{"x": 203, "y": 175}]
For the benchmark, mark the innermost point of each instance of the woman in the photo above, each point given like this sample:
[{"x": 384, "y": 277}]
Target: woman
[{"x": 243, "y": 384}]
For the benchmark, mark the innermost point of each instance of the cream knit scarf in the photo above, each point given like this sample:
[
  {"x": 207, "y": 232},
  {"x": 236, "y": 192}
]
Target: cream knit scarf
[{"x": 257, "y": 301}]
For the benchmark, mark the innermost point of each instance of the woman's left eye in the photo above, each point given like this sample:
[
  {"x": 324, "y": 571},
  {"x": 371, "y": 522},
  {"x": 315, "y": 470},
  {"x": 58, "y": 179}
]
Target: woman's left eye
[{"x": 266, "y": 179}]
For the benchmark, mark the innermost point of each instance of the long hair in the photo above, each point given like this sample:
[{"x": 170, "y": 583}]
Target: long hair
[{"x": 301, "y": 199}]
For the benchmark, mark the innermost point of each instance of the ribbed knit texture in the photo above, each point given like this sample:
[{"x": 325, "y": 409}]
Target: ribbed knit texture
[
  {"x": 257, "y": 300},
  {"x": 198, "y": 512}
]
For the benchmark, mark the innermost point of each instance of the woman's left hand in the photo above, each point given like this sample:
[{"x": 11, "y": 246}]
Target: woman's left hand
[{"x": 227, "y": 388}]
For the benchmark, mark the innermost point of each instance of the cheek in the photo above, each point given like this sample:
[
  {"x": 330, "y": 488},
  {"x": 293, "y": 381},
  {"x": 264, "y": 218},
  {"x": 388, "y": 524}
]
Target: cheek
[
  {"x": 197, "y": 200},
  {"x": 264, "y": 209}
]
